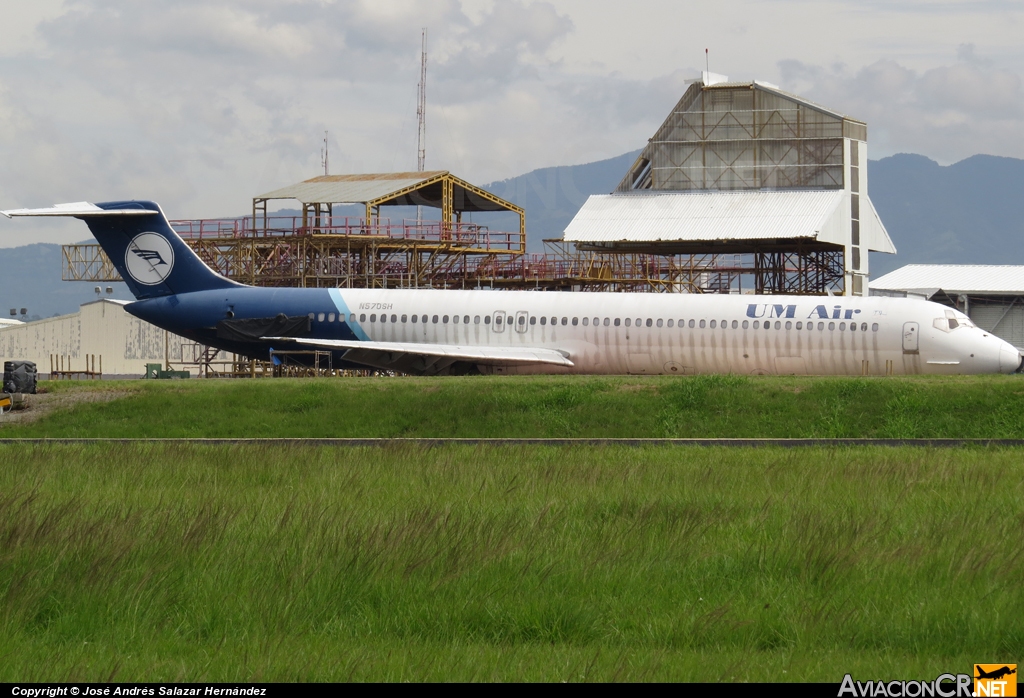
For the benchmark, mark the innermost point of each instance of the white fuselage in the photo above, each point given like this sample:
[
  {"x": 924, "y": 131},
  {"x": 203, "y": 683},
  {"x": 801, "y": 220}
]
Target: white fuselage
[{"x": 647, "y": 333}]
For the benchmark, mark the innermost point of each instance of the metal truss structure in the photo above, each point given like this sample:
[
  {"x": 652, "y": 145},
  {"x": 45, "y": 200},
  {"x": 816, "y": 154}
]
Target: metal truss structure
[{"x": 345, "y": 253}]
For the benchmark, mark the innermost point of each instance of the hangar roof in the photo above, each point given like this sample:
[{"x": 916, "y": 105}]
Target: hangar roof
[
  {"x": 393, "y": 189},
  {"x": 712, "y": 216},
  {"x": 928, "y": 279}
]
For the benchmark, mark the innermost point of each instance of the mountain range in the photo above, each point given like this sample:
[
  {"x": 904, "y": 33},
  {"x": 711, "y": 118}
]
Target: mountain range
[{"x": 964, "y": 213}]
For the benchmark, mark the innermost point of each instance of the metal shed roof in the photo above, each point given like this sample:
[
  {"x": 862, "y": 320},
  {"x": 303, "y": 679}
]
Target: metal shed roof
[
  {"x": 928, "y": 279},
  {"x": 674, "y": 216},
  {"x": 393, "y": 189},
  {"x": 351, "y": 188}
]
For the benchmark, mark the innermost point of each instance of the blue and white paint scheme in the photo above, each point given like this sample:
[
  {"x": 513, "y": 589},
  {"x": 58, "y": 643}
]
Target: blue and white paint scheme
[{"x": 440, "y": 332}]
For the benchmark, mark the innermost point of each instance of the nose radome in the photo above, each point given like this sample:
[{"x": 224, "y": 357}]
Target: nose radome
[{"x": 1009, "y": 359}]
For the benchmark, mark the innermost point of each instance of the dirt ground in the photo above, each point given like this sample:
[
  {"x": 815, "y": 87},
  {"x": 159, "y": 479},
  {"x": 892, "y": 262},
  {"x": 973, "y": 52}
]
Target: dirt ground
[{"x": 39, "y": 405}]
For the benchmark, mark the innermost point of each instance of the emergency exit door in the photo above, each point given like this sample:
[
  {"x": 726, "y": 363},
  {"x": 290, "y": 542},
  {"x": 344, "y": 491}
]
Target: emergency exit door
[{"x": 910, "y": 338}]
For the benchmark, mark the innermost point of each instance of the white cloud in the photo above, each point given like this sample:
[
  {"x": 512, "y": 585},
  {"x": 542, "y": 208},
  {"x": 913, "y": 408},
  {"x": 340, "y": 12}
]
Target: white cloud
[
  {"x": 202, "y": 104},
  {"x": 948, "y": 112}
]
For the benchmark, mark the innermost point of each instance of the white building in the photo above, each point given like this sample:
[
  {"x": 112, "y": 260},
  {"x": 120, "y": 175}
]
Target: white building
[{"x": 102, "y": 328}]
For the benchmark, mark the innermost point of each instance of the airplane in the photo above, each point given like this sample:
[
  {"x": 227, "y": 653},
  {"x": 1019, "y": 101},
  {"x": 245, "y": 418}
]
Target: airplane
[
  {"x": 995, "y": 673},
  {"x": 441, "y": 332}
]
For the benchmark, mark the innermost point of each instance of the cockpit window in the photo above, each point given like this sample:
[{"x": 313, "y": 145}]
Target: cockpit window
[{"x": 952, "y": 321}]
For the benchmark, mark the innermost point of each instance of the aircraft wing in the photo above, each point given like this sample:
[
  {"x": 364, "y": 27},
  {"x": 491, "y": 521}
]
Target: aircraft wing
[{"x": 413, "y": 357}]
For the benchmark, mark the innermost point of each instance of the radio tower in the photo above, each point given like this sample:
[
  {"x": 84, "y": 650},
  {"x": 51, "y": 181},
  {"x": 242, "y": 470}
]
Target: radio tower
[{"x": 421, "y": 108}]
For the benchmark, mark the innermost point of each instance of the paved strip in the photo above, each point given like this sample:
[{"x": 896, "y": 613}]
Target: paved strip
[{"x": 431, "y": 442}]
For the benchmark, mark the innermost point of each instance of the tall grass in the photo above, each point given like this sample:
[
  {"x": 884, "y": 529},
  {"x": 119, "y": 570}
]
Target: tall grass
[
  {"x": 155, "y": 562},
  {"x": 547, "y": 406}
]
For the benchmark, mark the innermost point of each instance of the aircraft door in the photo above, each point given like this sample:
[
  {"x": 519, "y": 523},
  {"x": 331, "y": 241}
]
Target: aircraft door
[
  {"x": 498, "y": 321},
  {"x": 522, "y": 320},
  {"x": 910, "y": 338}
]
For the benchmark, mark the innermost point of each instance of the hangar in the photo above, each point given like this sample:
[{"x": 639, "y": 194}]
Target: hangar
[
  {"x": 991, "y": 295},
  {"x": 123, "y": 343},
  {"x": 757, "y": 182}
]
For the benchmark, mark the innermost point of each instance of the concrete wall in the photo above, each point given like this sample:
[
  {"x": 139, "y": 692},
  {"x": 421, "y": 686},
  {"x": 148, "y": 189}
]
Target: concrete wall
[{"x": 101, "y": 327}]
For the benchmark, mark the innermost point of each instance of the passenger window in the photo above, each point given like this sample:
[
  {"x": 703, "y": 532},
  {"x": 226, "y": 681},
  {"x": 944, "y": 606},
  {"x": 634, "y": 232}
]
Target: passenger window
[
  {"x": 455, "y": 319},
  {"x": 735, "y": 324},
  {"x": 702, "y": 324},
  {"x": 586, "y": 322},
  {"x": 330, "y": 317},
  {"x": 789, "y": 325},
  {"x": 434, "y": 319},
  {"x": 778, "y": 325},
  {"x": 423, "y": 319},
  {"x": 671, "y": 322},
  {"x": 863, "y": 327},
  {"x": 607, "y": 320},
  {"x": 639, "y": 321},
  {"x": 414, "y": 318},
  {"x": 617, "y": 321},
  {"x": 629, "y": 322},
  {"x": 352, "y": 317},
  {"x": 405, "y": 318},
  {"x": 544, "y": 321},
  {"x": 746, "y": 324},
  {"x": 821, "y": 325},
  {"x": 383, "y": 318},
  {"x": 757, "y": 325},
  {"x": 682, "y": 322},
  {"x": 660, "y": 323},
  {"x": 649, "y": 322},
  {"x": 521, "y": 320},
  {"x": 691, "y": 324},
  {"x": 487, "y": 319},
  {"x": 565, "y": 321},
  {"x": 799, "y": 325},
  {"x": 712, "y": 324},
  {"x": 465, "y": 319},
  {"x": 312, "y": 316},
  {"x": 445, "y": 319},
  {"x": 394, "y": 318},
  {"x": 373, "y": 318},
  {"x": 597, "y": 321},
  {"x": 533, "y": 320},
  {"x": 476, "y": 319},
  {"x": 842, "y": 326},
  {"x": 575, "y": 321},
  {"x": 554, "y": 321},
  {"x": 853, "y": 326},
  {"x": 874, "y": 327},
  {"x": 362, "y": 317},
  {"x": 831, "y": 325}
]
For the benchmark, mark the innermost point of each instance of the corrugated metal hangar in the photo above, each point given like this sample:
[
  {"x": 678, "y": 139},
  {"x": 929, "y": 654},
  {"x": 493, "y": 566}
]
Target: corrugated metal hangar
[
  {"x": 122, "y": 343},
  {"x": 991, "y": 295},
  {"x": 743, "y": 168}
]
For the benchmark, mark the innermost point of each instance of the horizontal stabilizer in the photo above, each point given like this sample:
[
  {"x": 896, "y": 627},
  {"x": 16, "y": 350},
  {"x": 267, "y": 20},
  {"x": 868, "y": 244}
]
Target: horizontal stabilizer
[
  {"x": 391, "y": 352},
  {"x": 80, "y": 209}
]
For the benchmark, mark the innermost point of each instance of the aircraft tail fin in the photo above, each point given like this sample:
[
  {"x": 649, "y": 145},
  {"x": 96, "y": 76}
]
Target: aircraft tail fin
[{"x": 151, "y": 258}]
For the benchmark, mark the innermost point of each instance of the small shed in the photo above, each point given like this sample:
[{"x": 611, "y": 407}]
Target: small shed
[{"x": 435, "y": 189}]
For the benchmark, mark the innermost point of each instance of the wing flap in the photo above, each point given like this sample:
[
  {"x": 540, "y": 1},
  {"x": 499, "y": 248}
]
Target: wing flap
[{"x": 476, "y": 354}]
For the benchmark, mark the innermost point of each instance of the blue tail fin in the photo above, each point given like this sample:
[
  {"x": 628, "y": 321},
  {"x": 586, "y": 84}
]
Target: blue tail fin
[{"x": 148, "y": 254}]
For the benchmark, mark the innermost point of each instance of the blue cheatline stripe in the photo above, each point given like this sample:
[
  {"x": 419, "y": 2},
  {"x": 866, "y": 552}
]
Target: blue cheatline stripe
[{"x": 342, "y": 307}]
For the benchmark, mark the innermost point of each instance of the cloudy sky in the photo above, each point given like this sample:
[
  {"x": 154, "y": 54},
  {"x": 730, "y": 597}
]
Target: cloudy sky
[{"x": 201, "y": 104}]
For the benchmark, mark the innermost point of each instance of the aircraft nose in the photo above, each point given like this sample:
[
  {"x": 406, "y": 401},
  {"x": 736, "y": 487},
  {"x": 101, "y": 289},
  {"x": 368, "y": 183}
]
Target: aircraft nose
[{"x": 1009, "y": 359}]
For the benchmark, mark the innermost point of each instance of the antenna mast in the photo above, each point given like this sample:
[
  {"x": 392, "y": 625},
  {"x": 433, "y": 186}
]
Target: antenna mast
[
  {"x": 324, "y": 158},
  {"x": 421, "y": 108}
]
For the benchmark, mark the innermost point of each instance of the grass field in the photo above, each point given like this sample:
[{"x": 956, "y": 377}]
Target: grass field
[
  {"x": 161, "y": 562},
  {"x": 698, "y": 406}
]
